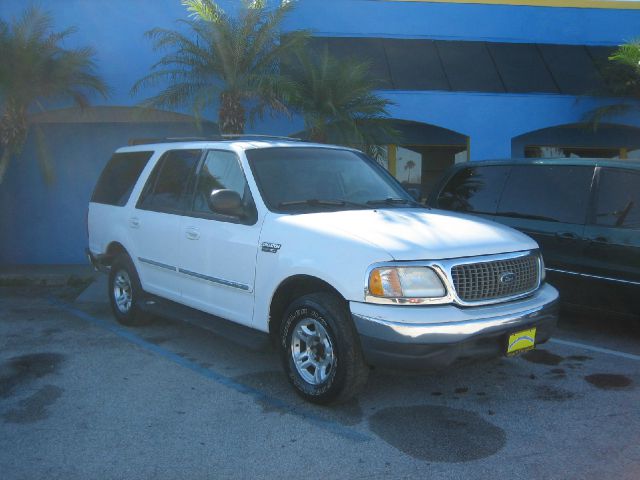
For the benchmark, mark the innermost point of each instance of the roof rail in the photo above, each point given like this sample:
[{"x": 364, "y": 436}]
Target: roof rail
[
  {"x": 211, "y": 138},
  {"x": 148, "y": 141},
  {"x": 243, "y": 136}
]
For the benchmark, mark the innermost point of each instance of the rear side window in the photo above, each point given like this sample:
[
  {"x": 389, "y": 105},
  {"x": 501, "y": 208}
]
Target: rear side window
[
  {"x": 618, "y": 199},
  {"x": 119, "y": 177},
  {"x": 554, "y": 193},
  {"x": 474, "y": 189},
  {"x": 167, "y": 188}
]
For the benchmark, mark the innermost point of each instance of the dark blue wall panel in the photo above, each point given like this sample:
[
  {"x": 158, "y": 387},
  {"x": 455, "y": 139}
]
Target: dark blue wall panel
[{"x": 46, "y": 223}]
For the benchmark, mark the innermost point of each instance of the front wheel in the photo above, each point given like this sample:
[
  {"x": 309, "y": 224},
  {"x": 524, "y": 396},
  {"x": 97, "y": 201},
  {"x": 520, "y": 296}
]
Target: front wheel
[{"x": 321, "y": 350}]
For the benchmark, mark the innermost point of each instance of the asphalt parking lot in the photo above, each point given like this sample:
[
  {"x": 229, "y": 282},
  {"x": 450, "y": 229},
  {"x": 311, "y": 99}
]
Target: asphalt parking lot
[{"x": 82, "y": 397}]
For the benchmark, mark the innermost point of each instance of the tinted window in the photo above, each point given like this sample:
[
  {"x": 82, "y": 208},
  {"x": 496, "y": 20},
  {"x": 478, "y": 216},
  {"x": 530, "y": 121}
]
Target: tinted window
[
  {"x": 618, "y": 199},
  {"x": 572, "y": 68},
  {"x": 415, "y": 65},
  {"x": 286, "y": 175},
  {"x": 220, "y": 170},
  {"x": 410, "y": 64},
  {"x": 521, "y": 67},
  {"x": 547, "y": 192},
  {"x": 166, "y": 188},
  {"x": 119, "y": 177},
  {"x": 474, "y": 189},
  {"x": 469, "y": 67},
  {"x": 364, "y": 49}
]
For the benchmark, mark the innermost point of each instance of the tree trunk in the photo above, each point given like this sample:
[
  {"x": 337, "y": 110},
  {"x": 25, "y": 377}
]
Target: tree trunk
[
  {"x": 13, "y": 133},
  {"x": 231, "y": 116}
]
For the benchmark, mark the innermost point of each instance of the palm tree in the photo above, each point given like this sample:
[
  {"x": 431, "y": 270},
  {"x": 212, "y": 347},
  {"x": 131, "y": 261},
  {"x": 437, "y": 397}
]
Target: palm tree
[
  {"x": 233, "y": 61},
  {"x": 622, "y": 78},
  {"x": 36, "y": 69},
  {"x": 337, "y": 101},
  {"x": 410, "y": 165}
]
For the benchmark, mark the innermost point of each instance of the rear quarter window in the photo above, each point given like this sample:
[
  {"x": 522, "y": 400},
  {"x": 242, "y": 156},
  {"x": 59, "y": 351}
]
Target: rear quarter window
[
  {"x": 618, "y": 199},
  {"x": 119, "y": 177}
]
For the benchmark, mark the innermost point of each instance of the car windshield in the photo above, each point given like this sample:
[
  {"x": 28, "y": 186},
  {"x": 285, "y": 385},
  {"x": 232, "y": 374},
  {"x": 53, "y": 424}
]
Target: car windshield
[{"x": 306, "y": 179}]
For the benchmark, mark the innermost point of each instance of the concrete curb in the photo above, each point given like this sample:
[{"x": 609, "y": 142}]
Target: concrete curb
[{"x": 46, "y": 275}]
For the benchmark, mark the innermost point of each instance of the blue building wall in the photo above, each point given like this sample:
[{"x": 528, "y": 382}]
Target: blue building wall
[{"x": 42, "y": 223}]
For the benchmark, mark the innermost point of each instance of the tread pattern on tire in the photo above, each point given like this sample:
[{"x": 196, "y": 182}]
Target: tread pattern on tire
[{"x": 353, "y": 372}]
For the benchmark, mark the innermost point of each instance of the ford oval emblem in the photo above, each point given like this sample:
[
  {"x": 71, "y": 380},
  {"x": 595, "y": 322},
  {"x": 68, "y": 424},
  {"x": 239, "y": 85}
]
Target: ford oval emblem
[{"x": 507, "y": 278}]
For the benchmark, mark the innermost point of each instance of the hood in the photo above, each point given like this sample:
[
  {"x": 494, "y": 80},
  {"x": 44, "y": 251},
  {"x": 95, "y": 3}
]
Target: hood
[{"x": 417, "y": 234}]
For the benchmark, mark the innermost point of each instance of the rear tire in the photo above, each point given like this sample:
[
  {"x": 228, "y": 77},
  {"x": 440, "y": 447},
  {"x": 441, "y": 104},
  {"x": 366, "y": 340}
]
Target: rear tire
[
  {"x": 321, "y": 351},
  {"x": 125, "y": 293}
]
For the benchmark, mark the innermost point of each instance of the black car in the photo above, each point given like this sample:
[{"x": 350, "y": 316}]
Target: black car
[{"x": 585, "y": 215}]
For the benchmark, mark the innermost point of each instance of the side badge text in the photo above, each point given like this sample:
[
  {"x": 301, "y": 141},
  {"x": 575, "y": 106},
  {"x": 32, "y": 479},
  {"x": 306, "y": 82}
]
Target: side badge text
[{"x": 270, "y": 247}]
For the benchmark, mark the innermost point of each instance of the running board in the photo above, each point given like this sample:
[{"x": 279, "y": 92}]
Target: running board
[{"x": 239, "y": 334}]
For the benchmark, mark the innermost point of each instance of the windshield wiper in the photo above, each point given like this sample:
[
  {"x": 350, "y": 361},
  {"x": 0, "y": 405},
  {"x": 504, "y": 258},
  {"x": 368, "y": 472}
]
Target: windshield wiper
[
  {"x": 394, "y": 201},
  {"x": 526, "y": 215},
  {"x": 315, "y": 202}
]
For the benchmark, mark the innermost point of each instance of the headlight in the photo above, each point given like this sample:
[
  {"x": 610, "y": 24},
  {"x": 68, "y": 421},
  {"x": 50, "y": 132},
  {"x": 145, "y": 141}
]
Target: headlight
[{"x": 405, "y": 282}]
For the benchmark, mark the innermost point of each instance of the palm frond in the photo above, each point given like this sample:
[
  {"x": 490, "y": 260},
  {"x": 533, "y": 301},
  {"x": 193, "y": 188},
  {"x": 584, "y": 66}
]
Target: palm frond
[
  {"x": 236, "y": 56},
  {"x": 206, "y": 10},
  {"x": 595, "y": 117},
  {"x": 36, "y": 68},
  {"x": 628, "y": 54},
  {"x": 337, "y": 100}
]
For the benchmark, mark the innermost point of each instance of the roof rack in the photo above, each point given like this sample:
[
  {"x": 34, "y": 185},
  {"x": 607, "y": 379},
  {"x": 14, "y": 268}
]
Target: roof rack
[
  {"x": 211, "y": 138},
  {"x": 242, "y": 136}
]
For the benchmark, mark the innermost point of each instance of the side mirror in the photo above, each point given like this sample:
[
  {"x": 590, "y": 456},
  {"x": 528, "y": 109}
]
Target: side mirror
[{"x": 226, "y": 202}]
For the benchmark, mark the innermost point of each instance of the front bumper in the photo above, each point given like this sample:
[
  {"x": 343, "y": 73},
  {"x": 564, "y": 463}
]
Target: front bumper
[{"x": 434, "y": 337}]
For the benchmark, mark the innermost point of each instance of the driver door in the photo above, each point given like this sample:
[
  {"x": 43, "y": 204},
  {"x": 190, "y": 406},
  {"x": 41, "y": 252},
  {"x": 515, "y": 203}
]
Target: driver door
[{"x": 218, "y": 252}]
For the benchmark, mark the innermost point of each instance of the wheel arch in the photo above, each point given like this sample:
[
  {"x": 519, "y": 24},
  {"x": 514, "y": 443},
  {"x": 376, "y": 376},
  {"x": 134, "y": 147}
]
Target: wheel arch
[
  {"x": 114, "y": 249},
  {"x": 288, "y": 290}
]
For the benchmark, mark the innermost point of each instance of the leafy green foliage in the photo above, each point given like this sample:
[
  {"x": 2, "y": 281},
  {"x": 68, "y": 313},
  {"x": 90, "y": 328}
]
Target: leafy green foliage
[
  {"x": 233, "y": 60},
  {"x": 622, "y": 79},
  {"x": 35, "y": 68},
  {"x": 336, "y": 98}
]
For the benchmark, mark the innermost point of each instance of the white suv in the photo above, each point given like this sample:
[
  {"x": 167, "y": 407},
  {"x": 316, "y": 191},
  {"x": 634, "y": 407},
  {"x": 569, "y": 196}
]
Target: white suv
[{"x": 318, "y": 247}]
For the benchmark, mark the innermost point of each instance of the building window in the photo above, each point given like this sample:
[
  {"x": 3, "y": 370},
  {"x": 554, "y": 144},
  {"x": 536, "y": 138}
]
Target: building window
[
  {"x": 419, "y": 167},
  {"x": 549, "y": 151}
]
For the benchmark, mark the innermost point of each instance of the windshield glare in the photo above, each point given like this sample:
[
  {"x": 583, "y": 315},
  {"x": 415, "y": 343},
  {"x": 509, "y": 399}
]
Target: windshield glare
[{"x": 312, "y": 178}]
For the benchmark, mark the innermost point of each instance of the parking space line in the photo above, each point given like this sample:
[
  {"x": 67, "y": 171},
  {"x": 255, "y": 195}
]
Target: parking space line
[
  {"x": 593, "y": 348},
  {"x": 285, "y": 407}
]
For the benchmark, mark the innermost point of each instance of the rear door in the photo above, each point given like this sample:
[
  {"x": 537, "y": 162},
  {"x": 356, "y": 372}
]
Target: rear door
[
  {"x": 154, "y": 224},
  {"x": 613, "y": 239},
  {"x": 111, "y": 195},
  {"x": 549, "y": 203}
]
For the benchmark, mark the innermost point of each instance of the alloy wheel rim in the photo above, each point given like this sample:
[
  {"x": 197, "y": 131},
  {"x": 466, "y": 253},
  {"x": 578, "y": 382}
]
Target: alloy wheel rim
[
  {"x": 122, "y": 291},
  {"x": 312, "y": 351}
]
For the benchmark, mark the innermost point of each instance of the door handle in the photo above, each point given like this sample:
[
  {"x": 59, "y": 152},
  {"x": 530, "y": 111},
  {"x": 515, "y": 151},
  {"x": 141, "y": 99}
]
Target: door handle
[
  {"x": 567, "y": 236},
  {"x": 599, "y": 240},
  {"x": 134, "y": 222},
  {"x": 192, "y": 233}
]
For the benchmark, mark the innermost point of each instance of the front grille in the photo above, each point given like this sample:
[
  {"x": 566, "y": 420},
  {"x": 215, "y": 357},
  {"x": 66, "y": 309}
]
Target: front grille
[{"x": 496, "y": 279}]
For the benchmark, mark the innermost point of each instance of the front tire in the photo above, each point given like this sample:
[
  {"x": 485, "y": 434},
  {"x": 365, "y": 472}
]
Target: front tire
[
  {"x": 321, "y": 350},
  {"x": 125, "y": 293}
]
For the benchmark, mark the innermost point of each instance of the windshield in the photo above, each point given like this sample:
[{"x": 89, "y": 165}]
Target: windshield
[{"x": 316, "y": 179}]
